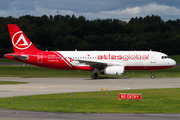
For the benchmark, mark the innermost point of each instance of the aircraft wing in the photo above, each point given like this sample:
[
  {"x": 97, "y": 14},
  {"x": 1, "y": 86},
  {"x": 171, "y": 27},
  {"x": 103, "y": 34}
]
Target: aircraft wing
[
  {"x": 99, "y": 64},
  {"x": 22, "y": 57}
]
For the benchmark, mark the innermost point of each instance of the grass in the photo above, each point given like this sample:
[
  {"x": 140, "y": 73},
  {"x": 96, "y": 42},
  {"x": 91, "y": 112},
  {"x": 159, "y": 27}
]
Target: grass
[
  {"x": 11, "y": 82},
  {"x": 5, "y": 60},
  {"x": 153, "y": 101},
  {"x": 33, "y": 71}
]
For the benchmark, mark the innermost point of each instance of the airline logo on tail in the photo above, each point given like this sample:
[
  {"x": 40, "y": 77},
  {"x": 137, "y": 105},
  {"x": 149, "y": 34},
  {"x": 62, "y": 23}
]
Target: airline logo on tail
[{"x": 19, "y": 41}]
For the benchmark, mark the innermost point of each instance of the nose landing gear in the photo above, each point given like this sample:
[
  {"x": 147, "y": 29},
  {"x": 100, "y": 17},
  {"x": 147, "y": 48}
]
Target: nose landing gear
[{"x": 152, "y": 75}]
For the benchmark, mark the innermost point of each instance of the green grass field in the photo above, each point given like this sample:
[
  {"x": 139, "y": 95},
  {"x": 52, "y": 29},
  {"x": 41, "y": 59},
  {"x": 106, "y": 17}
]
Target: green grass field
[
  {"x": 11, "y": 82},
  {"x": 5, "y": 60},
  {"x": 153, "y": 101},
  {"x": 33, "y": 71}
]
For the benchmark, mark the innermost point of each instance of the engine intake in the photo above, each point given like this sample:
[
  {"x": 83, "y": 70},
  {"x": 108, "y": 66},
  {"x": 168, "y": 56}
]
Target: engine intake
[{"x": 113, "y": 70}]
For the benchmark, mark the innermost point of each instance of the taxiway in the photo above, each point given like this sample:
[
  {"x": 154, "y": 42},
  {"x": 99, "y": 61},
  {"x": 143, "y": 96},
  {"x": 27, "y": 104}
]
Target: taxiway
[
  {"x": 49, "y": 85},
  {"x": 69, "y": 85}
]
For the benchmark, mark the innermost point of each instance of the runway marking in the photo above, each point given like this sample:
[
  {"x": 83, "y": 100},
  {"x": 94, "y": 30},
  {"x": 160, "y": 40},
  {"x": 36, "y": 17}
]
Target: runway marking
[
  {"x": 123, "y": 88},
  {"x": 122, "y": 84}
]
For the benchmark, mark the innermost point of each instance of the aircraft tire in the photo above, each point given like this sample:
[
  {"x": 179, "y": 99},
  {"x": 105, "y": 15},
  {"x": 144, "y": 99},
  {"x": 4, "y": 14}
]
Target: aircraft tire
[
  {"x": 152, "y": 76},
  {"x": 94, "y": 76}
]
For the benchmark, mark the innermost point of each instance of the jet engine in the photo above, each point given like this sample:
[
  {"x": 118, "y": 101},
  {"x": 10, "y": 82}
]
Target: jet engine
[{"x": 113, "y": 70}]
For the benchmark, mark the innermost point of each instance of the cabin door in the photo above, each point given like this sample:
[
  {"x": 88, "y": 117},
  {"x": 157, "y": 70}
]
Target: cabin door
[
  {"x": 40, "y": 58},
  {"x": 153, "y": 58}
]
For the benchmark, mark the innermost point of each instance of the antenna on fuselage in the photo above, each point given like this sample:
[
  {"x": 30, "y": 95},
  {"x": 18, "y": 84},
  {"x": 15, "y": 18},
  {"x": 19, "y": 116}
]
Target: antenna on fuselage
[{"x": 75, "y": 50}]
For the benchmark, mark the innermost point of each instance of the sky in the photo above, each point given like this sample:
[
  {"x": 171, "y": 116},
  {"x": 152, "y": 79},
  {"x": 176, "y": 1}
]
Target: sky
[{"x": 92, "y": 9}]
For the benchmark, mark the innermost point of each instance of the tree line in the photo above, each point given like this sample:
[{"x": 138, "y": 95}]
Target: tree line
[{"x": 69, "y": 33}]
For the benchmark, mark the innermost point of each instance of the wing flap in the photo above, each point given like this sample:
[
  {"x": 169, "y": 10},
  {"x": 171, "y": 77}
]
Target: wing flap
[{"x": 100, "y": 63}]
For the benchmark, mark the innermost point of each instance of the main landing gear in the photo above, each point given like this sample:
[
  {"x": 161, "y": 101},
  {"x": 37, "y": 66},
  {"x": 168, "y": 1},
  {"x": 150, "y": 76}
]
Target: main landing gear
[
  {"x": 95, "y": 75},
  {"x": 152, "y": 75}
]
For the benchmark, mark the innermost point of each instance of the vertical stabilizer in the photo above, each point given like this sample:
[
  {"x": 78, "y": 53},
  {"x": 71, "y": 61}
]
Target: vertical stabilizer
[{"x": 19, "y": 40}]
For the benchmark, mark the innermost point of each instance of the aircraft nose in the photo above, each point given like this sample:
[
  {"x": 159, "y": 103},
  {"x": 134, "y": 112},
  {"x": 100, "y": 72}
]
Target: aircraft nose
[{"x": 173, "y": 62}]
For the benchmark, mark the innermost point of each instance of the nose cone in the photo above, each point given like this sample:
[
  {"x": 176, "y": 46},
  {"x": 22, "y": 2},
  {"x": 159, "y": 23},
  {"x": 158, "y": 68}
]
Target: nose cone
[{"x": 173, "y": 62}]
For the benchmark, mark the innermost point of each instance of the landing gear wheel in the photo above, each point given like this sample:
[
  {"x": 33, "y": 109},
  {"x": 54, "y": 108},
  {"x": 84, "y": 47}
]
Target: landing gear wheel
[
  {"x": 94, "y": 76},
  {"x": 152, "y": 76}
]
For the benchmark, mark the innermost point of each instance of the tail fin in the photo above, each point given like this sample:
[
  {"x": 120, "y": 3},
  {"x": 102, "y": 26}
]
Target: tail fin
[{"x": 19, "y": 40}]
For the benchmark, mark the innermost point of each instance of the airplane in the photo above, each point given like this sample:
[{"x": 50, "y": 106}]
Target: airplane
[{"x": 105, "y": 62}]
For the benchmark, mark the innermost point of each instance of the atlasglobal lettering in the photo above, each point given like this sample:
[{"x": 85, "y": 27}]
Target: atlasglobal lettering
[{"x": 123, "y": 57}]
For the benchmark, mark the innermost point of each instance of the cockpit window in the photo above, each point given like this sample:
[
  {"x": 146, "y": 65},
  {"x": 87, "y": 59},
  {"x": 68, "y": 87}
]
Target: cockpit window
[{"x": 165, "y": 57}]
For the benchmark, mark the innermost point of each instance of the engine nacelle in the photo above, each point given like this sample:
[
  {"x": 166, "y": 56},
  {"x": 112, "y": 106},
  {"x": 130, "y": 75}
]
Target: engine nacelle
[{"x": 113, "y": 70}]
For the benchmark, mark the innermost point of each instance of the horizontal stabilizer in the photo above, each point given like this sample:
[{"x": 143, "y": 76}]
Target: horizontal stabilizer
[{"x": 22, "y": 57}]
